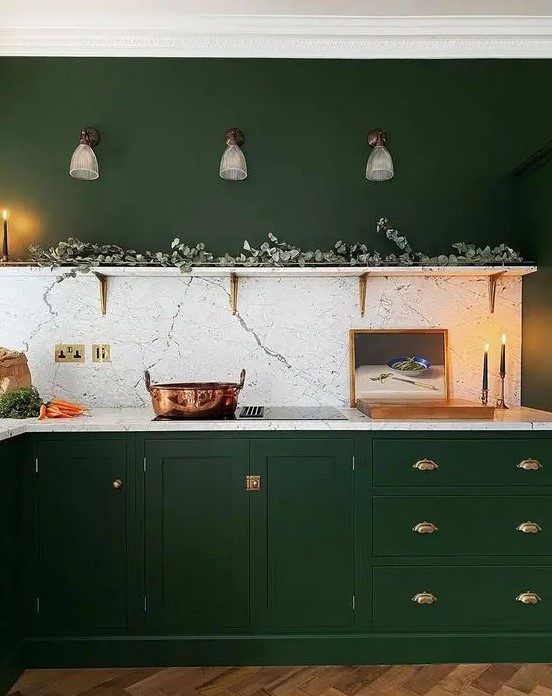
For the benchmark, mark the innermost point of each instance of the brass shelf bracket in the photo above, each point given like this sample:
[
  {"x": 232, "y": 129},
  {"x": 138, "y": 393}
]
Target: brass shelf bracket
[
  {"x": 102, "y": 280},
  {"x": 234, "y": 284},
  {"x": 492, "y": 290},
  {"x": 362, "y": 283}
]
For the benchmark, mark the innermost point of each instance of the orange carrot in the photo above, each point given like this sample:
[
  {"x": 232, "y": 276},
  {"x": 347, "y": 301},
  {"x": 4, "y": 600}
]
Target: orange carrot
[
  {"x": 66, "y": 404},
  {"x": 54, "y": 412},
  {"x": 42, "y": 414}
]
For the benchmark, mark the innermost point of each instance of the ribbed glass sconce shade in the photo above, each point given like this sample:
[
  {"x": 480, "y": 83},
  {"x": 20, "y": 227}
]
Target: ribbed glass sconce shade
[
  {"x": 380, "y": 165},
  {"x": 84, "y": 164},
  {"x": 233, "y": 166}
]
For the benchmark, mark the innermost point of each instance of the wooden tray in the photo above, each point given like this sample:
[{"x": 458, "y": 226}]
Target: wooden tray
[{"x": 438, "y": 409}]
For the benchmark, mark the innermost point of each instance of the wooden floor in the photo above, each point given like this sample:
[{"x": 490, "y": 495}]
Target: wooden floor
[{"x": 408, "y": 680}]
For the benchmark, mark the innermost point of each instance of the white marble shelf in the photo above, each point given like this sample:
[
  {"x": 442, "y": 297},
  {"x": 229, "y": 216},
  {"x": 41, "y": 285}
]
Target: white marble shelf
[
  {"x": 110, "y": 420},
  {"x": 275, "y": 271},
  {"x": 103, "y": 273}
]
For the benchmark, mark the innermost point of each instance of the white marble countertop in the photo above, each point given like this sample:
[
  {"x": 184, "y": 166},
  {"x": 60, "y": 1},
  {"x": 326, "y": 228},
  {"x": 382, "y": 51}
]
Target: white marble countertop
[{"x": 140, "y": 420}]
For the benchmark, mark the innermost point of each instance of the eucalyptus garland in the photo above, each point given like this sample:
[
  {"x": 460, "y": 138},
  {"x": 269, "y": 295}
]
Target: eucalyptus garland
[{"x": 84, "y": 255}]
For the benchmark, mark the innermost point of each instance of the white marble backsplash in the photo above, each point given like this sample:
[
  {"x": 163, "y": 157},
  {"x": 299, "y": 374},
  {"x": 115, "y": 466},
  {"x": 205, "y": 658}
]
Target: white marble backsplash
[{"x": 291, "y": 334}]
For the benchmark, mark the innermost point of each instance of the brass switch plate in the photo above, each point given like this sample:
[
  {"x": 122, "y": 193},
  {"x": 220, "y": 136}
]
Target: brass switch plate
[
  {"x": 101, "y": 352},
  {"x": 69, "y": 353}
]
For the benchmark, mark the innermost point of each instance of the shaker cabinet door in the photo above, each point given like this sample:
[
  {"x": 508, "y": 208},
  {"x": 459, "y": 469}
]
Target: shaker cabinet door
[
  {"x": 197, "y": 535},
  {"x": 302, "y": 535},
  {"x": 81, "y": 487},
  {"x": 10, "y": 625}
]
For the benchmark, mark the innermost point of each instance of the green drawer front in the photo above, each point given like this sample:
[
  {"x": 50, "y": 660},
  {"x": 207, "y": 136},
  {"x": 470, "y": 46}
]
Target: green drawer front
[
  {"x": 462, "y": 462},
  {"x": 466, "y": 597},
  {"x": 465, "y": 525}
]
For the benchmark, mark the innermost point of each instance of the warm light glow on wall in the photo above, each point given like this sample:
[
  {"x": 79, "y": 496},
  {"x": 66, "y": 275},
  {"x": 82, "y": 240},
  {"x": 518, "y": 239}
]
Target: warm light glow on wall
[{"x": 25, "y": 229}]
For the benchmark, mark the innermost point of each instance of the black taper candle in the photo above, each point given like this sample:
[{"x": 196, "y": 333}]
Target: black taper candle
[
  {"x": 5, "y": 250},
  {"x": 503, "y": 355}
]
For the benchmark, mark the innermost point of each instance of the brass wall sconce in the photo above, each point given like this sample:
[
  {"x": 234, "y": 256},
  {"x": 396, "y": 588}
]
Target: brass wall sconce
[
  {"x": 233, "y": 166},
  {"x": 84, "y": 164},
  {"x": 380, "y": 165}
]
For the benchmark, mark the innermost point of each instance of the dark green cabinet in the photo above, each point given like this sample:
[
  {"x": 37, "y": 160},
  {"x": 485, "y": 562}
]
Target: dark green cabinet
[
  {"x": 474, "y": 461},
  {"x": 450, "y": 598},
  {"x": 197, "y": 535},
  {"x": 81, "y": 510},
  {"x": 462, "y": 525},
  {"x": 275, "y": 548},
  {"x": 302, "y": 534},
  {"x": 10, "y": 624}
]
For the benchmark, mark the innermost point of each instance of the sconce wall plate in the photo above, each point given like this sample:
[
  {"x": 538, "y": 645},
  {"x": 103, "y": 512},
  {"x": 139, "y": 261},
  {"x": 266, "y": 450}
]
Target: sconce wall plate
[
  {"x": 377, "y": 137},
  {"x": 90, "y": 136},
  {"x": 234, "y": 136}
]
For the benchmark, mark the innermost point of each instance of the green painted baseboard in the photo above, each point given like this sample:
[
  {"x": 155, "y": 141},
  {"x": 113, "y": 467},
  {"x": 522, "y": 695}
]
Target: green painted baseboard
[
  {"x": 11, "y": 666},
  {"x": 163, "y": 651}
]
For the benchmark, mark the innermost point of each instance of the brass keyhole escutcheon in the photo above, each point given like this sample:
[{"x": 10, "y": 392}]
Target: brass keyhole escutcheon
[{"x": 253, "y": 483}]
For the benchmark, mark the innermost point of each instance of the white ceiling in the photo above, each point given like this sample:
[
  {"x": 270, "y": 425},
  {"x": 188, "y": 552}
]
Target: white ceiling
[{"x": 278, "y": 28}]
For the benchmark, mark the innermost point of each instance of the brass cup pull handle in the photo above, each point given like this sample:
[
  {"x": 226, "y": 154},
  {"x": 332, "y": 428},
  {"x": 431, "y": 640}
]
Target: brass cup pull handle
[
  {"x": 424, "y": 598},
  {"x": 117, "y": 484},
  {"x": 425, "y": 528},
  {"x": 528, "y": 598},
  {"x": 529, "y": 528},
  {"x": 425, "y": 465},
  {"x": 529, "y": 464}
]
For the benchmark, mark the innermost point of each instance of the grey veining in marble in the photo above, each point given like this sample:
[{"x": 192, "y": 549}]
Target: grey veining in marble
[
  {"x": 140, "y": 420},
  {"x": 291, "y": 334}
]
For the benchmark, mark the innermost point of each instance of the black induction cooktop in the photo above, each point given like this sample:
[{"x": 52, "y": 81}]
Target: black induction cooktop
[
  {"x": 290, "y": 413},
  {"x": 280, "y": 413}
]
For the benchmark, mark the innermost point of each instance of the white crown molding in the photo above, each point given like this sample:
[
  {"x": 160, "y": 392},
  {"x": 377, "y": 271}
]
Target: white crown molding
[{"x": 294, "y": 37}]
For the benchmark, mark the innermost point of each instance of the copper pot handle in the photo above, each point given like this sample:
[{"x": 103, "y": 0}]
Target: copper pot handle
[
  {"x": 147, "y": 379},
  {"x": 242, "y": 380}
]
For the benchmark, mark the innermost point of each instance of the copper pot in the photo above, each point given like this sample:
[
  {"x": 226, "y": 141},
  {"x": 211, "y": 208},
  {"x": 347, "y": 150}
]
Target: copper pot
[{"x": 194, "y": 399}]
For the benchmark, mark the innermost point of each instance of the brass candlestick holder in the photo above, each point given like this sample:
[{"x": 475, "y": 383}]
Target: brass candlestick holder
[
  {"x": 485, "y": 397},
  {"x": 501, "y": 403}
]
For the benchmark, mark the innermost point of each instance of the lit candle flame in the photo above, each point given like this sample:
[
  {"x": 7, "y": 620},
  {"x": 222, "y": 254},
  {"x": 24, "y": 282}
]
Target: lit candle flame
[
  {"x": 486, "y": 347},
  {"x": 503, "y": 339},
  {"x": 5, "y": 214}
]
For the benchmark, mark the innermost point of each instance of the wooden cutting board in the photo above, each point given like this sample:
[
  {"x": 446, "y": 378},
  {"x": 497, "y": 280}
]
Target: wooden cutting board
[{"x": 438, "y": 409}]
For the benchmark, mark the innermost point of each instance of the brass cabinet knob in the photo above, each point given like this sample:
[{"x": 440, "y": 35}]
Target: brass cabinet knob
[
  {"x": 529, "y": 528},
  {"x": 529, "y": 464},
  {"x": 117, "y": 484},
  {"x": 528, "y": 598},
  {"x": 425, "y": 528},
  {"x": 425, "y": 465},
  {"x": 424, "y": 598}
]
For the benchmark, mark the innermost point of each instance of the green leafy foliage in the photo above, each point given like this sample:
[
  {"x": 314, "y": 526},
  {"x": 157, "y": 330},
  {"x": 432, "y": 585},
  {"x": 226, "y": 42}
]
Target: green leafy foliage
[
  {"x": 84, "y": 255},
  {"x": 22, "y": 403}
]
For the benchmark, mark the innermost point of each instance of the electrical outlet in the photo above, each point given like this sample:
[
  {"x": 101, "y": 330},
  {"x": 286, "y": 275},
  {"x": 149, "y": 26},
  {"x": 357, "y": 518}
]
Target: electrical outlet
[
  {"x": 101, "y": 352},
  {"x": 69, "y": 353}
]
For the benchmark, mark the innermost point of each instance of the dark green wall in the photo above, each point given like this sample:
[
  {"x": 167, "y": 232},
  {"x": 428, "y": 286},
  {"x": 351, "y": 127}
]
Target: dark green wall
[
  {"x": 456, "y": 128},
  {"x": 535, "y": 213}
]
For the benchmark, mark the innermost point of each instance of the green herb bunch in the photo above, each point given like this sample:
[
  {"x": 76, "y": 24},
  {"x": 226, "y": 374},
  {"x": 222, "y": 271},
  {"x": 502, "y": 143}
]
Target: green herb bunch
[{"x": 22, "y": 403}]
